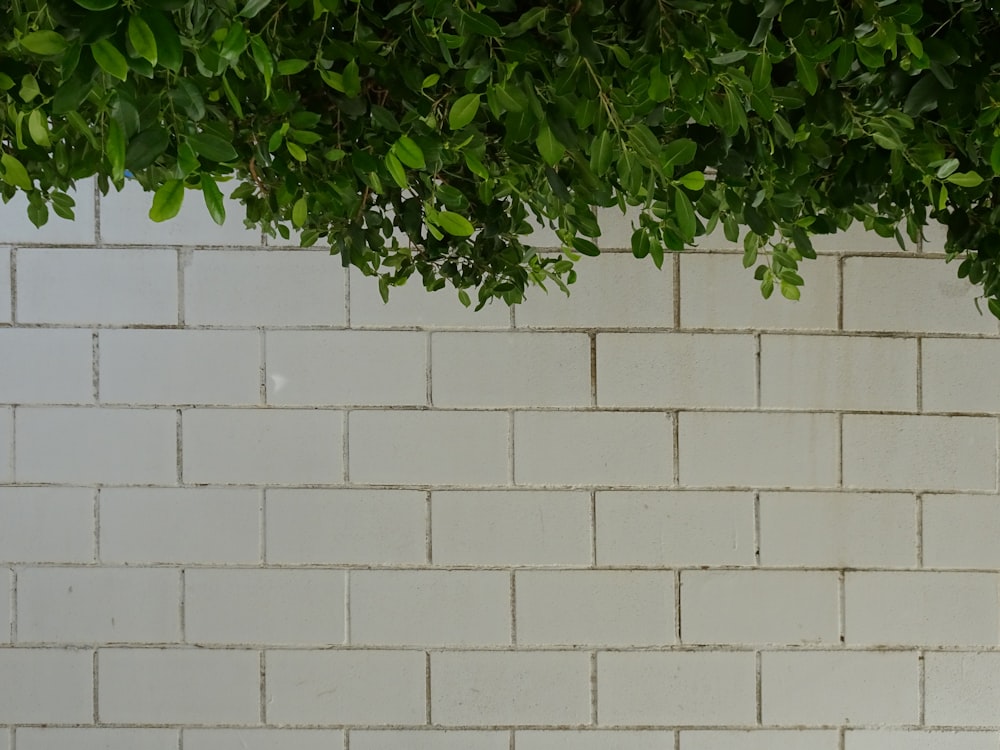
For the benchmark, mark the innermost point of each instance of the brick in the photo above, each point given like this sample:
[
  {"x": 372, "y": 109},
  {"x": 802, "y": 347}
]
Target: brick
[
  {"x": 512, "y": 369},
  {"x": 178, "y": 686},
  {"x": 190, "y": 525},
  {"x": 6, "y": 445},
  {"x": 89, "y": 738},
  {"x": 919, "y": 740},
  {"x": 108, "y": 287},
  {"x": 618, "y": 226},
  {"x": 920, "y": 452},
  {"x": 46, "y": 686},
  {"x": 951, "y": 374},
  {"x": 846, "y": 372},
  {"x": 180, "y": 367},
  {"x": 422, "y": 607},
  {"x": 46, "y": 524},
  {"x": 675, "y": 528},
  {"x": 263, "y": 446},
  {"x": 428, "y": 447},
  {"x": 93, "y": 605},
  {"x": 510, "y": 688},
  {"x": 717, "y": 292},
  {"x": 619, "y": 608},
  {"x": 612, "y": 291},
  {"x": 254, "y": 606},
  {"x": 856, "y": 239},
  {"x": 960, "y": 531},
  {"x": 839, "y": 687},
  {"x": 759, "y": 606},
  {"x": 18, "y": 229},
  {"x": 590, "y": 739},
  {"x": 360, "y": 527},
  {"x": 759, "y": 739},
  {"x": 922, "y": 608},
  {"x": 6, "y": 308},
  {"x": 124, "y": 220},
  {"x": 454, "y": 739},
  {"x": 87, "y": 446},
  {"x": 675, "y": 369},
  {"x": 936, "y": 301},
  {"x": 838, "y": 530},
  {"x": 410, "y": 306},
  {"x": 46, "y": 366},
  {"x": 263, "y": 739},
  {"x": 650, "y": 688},
  {"x": 346, "y": 687},
  {"x": 593, "y": 448},
  {"x": 511, "y": 528},
  {"x": 962, "y": 689},
  {"x": 755, "y": 449},
  {"x": 263, "y": 288},
  {"x": 346, "y": 367}
]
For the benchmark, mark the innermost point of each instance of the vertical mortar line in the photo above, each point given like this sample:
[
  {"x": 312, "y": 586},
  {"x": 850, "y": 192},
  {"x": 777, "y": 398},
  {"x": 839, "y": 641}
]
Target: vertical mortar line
[
  {"x": 593, "y": 368},
  {"x": 756, "y": 369},
  {"x": 842, "y": 606},
  {"x": 346, "y": 455},
  {"x": 13, "y": 285},
  {"x": 920, "y": 529},
  {"x": 182, "y": 609},
  {"x": 920, "y": 374},
  {"x": 593, "y": 528},
  {"x": 758, "y": 688},
  {"x": 96, "y": 685},
  {"x": 841, "y": 738},
  {"x": 262, "y": 527},
  {"x": 427, "y": 685},
  {"x": 593, "y": 688},
  {"x": 429, "y": 370},
  {"x": 677, "y": 289},
  {"x": 183, "y": 255},
  {"x": 12, "y": 435},
  {"x": 678, "y": 635},
  {"x": 756, "y": 528},
  {"x": 95, "y": 363},
  {"x": 676, "y": 428},
  {"x": 97, "y": 215},
  {"x": 263, "y": 366},
  {"x": 840, "y": 292},
  {"x": 347, "y": 607},
  {"x": 347, "y": 738},
  {"x": 510, "y": 739},
  {"x": 12, "y": 625},
  {"x": 677, "y": 739},
  {"x": 97, "y": 525},
  {"x": 429, "y": 527},
  {"x": 263, "y": 689},
  {"x": 511, "y": 476},
  {"x": 513, "y": 609},
  {"x": 921, "y": 685},
  {"x": 347, "y": 297},
  {"x": 180, "y": 448},
  {"x": 840, "y": 449}
]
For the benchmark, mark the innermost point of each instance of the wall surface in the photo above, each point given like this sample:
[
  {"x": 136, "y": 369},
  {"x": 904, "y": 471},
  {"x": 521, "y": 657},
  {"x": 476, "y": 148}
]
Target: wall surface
[{"x": 245, "y": 506}]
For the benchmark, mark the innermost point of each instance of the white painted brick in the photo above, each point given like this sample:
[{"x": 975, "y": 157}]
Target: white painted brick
[
  {"x": 935, "y": 235},
  {"x": 6, "y": 310},
  {"x": 922, "y": 608},
  {"x": 46, "y": 686},
  {"x": 618, "y": 226},
  {"x": 919, "y": 740},
  {"x": 962, "y": 689},
  {"x": 856, "y": 239},
  {"x": 900, "y": 452},
  {"x": 838, "y": 530},
  {"x": 428, "y": 447},
  {"x": 424, "y": 607},
  {"x": 935, "y": 300},
  {"x": 411, "y": 306},
  {"x": 513, "y": 688},
  {"x": 18, "y": 229},
  {"x": 46, "y": 366},
  {"x": 581, "y": 448},
  {"x": 263, "y": 739},
  {"x": 759, "y": 739},
  {"x": 360, "y": 527},
  {"x": 110, "y": 287},
  {"x": 263, "y": 446},
  {"x": 46, "y": 524},
  {"x": 675, "y": 369},
  {"x": 89, "y": 738},
  {"x": 675, "y": 528},
  {"x": 94, "y": 605},
  {"x": 178, "y": 686},
  {"x": 180, "y": 367},
  {"x": 346, "y": 367},
  {"x": 612, "y": 291},
  {"x": 511, "y": 369},
  {"x": 191, "y": 525},
  {"x": 675, "y": 688},
  {"x": 717, "y": 292},
  {"x": 6, "y": 445},
  {"x": 111, "y": 446},
  {"x": 838, "y": 372},
  {"x": 511, "y": 528},
  {"x": 593, "y": 740},
  {"x": 415, "y": 739},
  {"x": 346, "y": 687},
  {"x": 759, "y": 606},
  {"x": 839, "y": 687},
  {"x": 301, "y": 607},
  {"x": 125, "y": 220},
  {"x": 263, "y": 288},
  {"x": 618, "y": 608},
  {"x": 768, "y": 450},
  {"x": 952, "y": 374},
  {"x": 960, "y": 531}
]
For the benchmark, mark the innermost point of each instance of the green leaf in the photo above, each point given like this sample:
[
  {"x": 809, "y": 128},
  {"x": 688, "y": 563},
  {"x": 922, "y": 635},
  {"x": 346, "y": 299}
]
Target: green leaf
[
  {"x": 396, "y": 170},
  {"x": 38, "y": 128},
  {"x": 409, "y": 153},
  {"x": 601, "y": 154},
  {"x": 298, "y": 153},
  {"x": 291, "y": 67},
  {"x": 693, "y": 181},
  {"x": 213, "y": 147},
  {"x": 352, "y": 79},
  {"x": 966, "y": 179},
  {"x": 805, "y": 71},
  {"x": 213, "y": 199},
  {"x": 146, "y": 147},
  {"x": 686, "y": 220},
  {"x": 96, "y": 4},
  {"x": 169, "y": 53},
  {"x": 167, "y": 200},
  {"x": 14, "y": 173},
  {"x": 947, "y": 168},
  {"x": 679, "y": 152},
  {"x": 114, "y": 148},
  {"x": 253, "y": 7},
  {"x": 790, "y": 291},
  {"x": 549, "y": 146},
  {"x": 264, "y": 61},
  {"x": 300, "y": 212},
  {"x": 995, "y": 158},
  {"x": 454, "y": 224},
  {"x": 585, "y": 247},
  {"x": 45, "y": 43},
  {"x": 110, "y": 59},
  {"x": 479, "y": 24},
  {"x": 463, "y": 111},
  {"x": 142, "y": 38}
]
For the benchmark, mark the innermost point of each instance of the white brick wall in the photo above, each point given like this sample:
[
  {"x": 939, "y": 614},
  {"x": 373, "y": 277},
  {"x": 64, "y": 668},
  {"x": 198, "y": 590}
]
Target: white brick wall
[{"x": 246, "y": 506}]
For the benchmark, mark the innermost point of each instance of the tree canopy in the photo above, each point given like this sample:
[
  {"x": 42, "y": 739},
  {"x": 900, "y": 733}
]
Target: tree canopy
[{"x": 424, "y": 136}]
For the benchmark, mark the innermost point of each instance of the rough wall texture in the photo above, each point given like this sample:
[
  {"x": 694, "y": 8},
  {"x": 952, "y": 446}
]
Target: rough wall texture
[{"x": 245, "y": 506}]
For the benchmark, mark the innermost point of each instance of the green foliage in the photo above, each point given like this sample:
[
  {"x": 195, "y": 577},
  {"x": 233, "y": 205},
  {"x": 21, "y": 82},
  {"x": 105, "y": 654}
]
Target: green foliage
[{"x": 452, "y": 124}]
